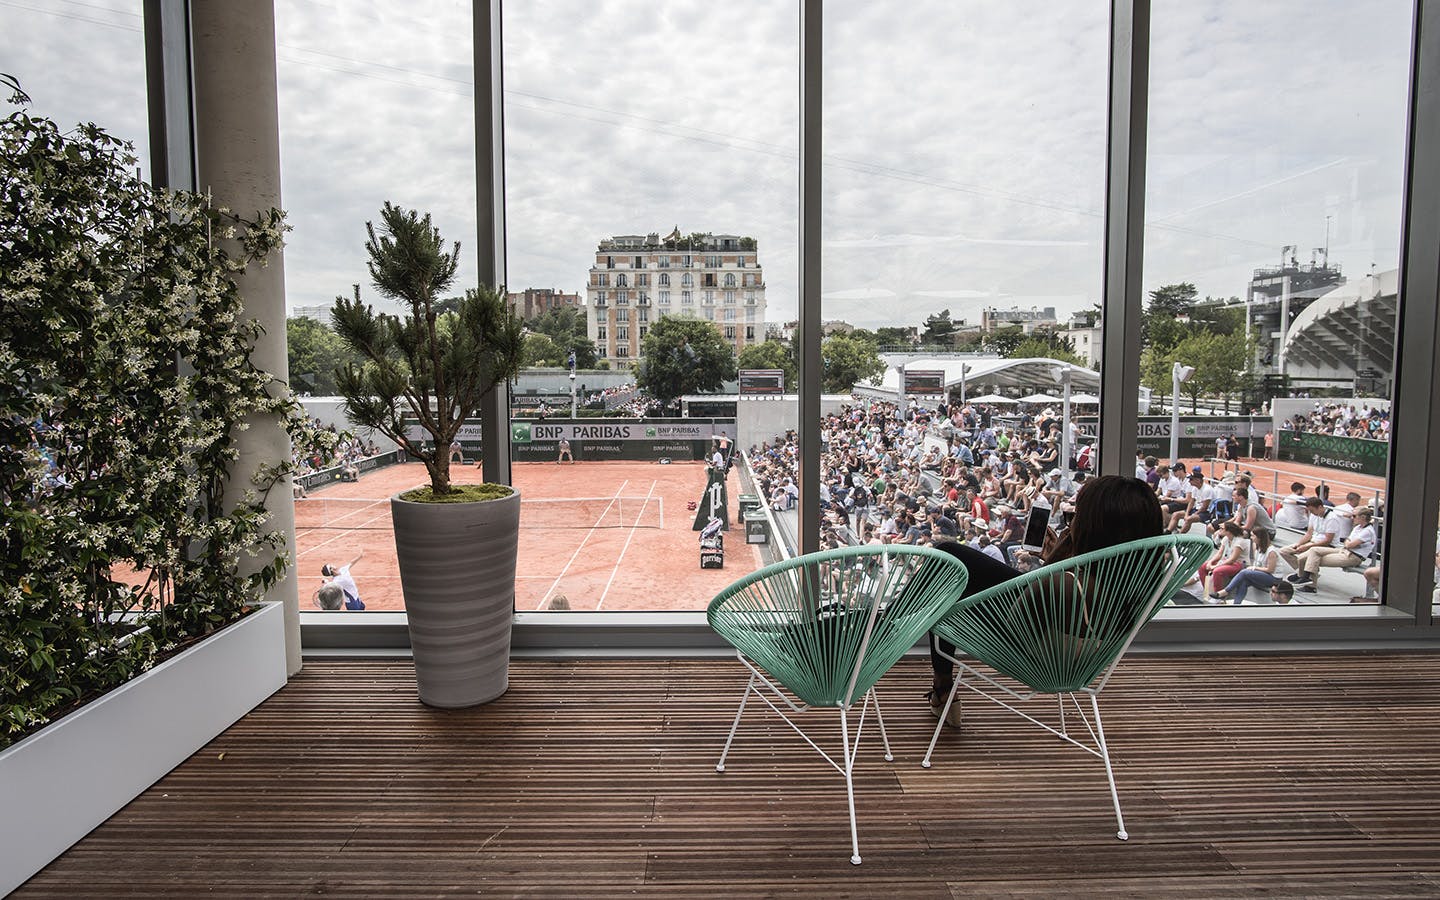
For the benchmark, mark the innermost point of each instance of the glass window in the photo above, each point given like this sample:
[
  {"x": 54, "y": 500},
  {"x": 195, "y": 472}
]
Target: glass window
[
  {"x": 82, "y": 62},
  {"x": 664, "y": 298},
  {"x": 949, "y": 254},
  {"x": 357, "y": 88},
  {"x": 1272, "y": 252}
]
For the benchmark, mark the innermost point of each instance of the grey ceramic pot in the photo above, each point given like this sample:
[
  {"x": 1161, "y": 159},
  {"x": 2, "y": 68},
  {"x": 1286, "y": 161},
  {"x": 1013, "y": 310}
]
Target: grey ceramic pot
[{"x": 457, "y": 569}]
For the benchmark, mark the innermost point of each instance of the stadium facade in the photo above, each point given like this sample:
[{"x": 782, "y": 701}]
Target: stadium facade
[{"x": 637, "y": 280}]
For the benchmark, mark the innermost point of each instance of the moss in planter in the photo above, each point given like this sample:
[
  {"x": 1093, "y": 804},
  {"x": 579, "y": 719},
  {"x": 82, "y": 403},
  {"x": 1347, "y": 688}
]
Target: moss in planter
[{"x": 459, "y": 493}]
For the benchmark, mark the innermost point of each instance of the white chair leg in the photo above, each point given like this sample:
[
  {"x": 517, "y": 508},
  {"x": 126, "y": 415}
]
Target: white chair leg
[
  {"x": 720, "y": 766},
  {"x": 1060, "y": 698},
  {"x": 944, "y": 716},
  {"x": 850, "y": 787},
  {"x": 880, "y": 720},
  {"x": 1109, "y": 772}
]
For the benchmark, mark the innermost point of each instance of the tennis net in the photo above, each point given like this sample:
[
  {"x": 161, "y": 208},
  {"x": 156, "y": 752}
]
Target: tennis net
[{"x": 373, "y": 513}]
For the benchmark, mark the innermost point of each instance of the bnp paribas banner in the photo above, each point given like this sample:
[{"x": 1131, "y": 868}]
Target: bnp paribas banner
[
  {"x": 525, "y": 432},
  {"x": 591, "y": 439},
  {"x": 1358, "y": 455}
]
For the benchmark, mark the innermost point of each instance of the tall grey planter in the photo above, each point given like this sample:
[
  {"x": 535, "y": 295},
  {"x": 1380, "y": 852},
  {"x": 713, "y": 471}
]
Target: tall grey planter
[{"x": 457, "y": 569}]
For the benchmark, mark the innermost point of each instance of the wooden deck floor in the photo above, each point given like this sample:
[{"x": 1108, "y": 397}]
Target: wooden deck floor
[{"x": 1288, "y": 775}]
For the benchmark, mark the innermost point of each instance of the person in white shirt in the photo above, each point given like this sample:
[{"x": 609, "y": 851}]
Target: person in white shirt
[
  {"x": 1174, "y": 492},
  {"x": 1352, "y": 552},
  {"x": 1346, "y": 512},
  {"x": 1199, "y": 507},
  {"x": 1291, "y": 513},
  {"x": 340, "y": 577},
  {"x": 1316, "y": 535}
]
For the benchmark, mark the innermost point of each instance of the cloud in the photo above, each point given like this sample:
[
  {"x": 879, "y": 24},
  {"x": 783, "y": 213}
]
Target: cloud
[{"x": 963, "y": 151}]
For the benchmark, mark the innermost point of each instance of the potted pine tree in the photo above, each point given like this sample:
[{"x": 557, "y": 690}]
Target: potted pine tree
[{"x": 433, "y": 363}]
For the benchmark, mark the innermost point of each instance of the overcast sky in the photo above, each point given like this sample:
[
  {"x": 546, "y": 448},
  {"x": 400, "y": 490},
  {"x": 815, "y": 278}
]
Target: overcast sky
[{"x": 964, "y": 142}]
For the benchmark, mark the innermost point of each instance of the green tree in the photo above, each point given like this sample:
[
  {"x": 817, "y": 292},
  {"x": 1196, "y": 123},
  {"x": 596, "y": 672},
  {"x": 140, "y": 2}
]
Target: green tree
[
  {"x": 315, "y": 352},
  {"x": 566, "y": 327},
  {"x": 541, "y": 350},
  {"x": 682, "y": 356},
  {"x": 771, "y": 355},
  {"x": 849, "y": 362},
  {"x": 938, "y": 329},
  {"x": 1212, "y": 317},
  {"x": 1003, "y": 341},
  {"x": 1168, "y": 304},
  {"x": 1039, "y": 348},
  {"x": 890, "y": 336},
  {"x": 1155, "y": 372},
  {"x": 1219, "y": 362},
  {"x": 433, "y": 366}
]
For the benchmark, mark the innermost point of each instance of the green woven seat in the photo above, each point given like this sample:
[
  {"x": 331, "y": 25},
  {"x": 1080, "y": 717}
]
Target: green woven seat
[
  {"x": 818, "y": 631},
  {"x": 1062, "y": 629}
]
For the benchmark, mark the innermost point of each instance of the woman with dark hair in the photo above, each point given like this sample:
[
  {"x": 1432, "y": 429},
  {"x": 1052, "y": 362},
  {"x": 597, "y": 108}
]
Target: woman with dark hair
[{"x": 1109, "y": 510}]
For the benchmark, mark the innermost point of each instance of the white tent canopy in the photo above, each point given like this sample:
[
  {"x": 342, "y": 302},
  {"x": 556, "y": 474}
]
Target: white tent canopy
[
  {"x": 1084, "y": 398},
  {"x": 992, "y": 398},
  {"x": 1041, "y": 398},
  {"x": 988, "y": 373}
]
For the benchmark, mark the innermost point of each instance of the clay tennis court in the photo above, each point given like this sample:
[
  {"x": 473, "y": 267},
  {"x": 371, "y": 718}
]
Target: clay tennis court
[{"x": 604, "y": 535}]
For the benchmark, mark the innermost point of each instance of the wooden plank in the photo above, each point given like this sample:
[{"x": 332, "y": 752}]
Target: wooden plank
[{"x": 1313, "y": 775}]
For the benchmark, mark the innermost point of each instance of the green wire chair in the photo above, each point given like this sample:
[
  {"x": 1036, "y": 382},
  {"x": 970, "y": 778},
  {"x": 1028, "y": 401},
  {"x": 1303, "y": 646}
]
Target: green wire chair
[
  {"x": 825, "y": 627},
  {"x": 1063, "y": 628}
]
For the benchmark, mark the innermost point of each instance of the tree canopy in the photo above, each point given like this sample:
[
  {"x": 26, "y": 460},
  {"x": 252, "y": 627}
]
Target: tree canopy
[
  {"x": 315, "y": 352},
  {"x": 565, "y": 326},
  {"x": 938, "y": 328},
  {"x": 849, "y": 362},
  {"x": 1037, "y": 347},
  {"x": 771, "y": 354},
  {"x": 682, "y": 356}
]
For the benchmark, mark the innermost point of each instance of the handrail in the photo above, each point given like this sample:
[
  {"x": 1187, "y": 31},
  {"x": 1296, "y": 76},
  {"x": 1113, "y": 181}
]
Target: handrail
[{"x": 1376, "y": 494}]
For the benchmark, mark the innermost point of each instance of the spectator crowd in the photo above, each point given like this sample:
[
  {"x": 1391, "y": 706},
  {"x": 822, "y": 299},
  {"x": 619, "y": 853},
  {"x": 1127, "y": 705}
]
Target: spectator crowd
[
  {"x": 1342, "y": 420},
  {"x": 920, "y": 476}
]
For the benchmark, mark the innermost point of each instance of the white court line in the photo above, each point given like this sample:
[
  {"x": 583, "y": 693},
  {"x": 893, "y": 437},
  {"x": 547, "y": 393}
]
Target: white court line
[
  {"x": 341, "y": 536},
  {"x": 615, "y": 571},
  {"x": 581, "y": 546},
  {"x": 335, "y": 523}
]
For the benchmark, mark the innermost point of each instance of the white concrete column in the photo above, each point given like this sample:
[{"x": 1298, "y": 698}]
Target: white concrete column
[{"x": 237, "y": 126}]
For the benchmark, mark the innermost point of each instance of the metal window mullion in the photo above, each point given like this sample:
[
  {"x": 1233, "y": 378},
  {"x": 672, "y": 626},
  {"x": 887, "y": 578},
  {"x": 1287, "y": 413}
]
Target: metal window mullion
[
  {"x": 170, "y": 94},
  {"x": 1415, "y": 441},
  {"x": 490, "y": 213},
  {"x": 1124, "y": 234},
  {"x": 810, "y": 366}
]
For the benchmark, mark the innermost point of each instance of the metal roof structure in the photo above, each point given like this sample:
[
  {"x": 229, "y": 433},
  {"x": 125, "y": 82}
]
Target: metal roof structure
[
  {"x": 1350, "y": 328},
  {"x": 1008, "y": 376}
]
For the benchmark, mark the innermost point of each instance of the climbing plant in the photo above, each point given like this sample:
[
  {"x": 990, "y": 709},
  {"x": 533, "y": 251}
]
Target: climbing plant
[{"x": 128, "y": 526}]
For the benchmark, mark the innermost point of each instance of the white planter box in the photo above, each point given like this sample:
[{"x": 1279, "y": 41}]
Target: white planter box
[{"x": 59, "y": 783}]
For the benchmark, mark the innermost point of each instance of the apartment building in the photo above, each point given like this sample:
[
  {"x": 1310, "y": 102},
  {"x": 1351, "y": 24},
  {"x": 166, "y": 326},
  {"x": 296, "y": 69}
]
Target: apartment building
[{"x": 638, "y": 279}]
